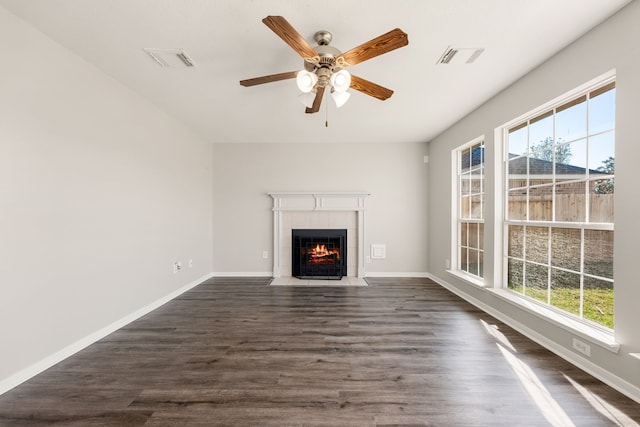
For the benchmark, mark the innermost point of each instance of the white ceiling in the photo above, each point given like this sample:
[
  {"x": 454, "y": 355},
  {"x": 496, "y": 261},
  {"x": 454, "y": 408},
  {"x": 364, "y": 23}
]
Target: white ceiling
[{"x": 228, "y": 42}]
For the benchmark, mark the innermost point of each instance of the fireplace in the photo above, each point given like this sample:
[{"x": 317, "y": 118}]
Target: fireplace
[
  {"x": 319, "y": 254},
  {"x": 318, "y": 210}
]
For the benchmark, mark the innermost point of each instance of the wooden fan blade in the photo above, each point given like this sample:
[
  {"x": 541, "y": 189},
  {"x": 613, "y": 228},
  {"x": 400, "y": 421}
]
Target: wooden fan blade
[
  {"x": 286, "y": 32},
  {"x": 268, "y": 79},
  {"x": 316, "y": 102},
  {"x": 387, "y": 42},
  {"x": 370, "y": 88}
]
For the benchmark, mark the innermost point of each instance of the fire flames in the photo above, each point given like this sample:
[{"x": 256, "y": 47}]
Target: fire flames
[{"x": 320, "y": 255}]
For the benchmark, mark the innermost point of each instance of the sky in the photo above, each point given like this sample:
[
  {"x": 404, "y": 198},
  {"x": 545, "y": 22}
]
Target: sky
[{"x": 588, "y": 127}]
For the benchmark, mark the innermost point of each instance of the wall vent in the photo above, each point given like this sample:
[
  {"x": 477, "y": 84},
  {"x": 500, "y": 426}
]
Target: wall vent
[
  {"x": 170, "y": 57},
  {"x": 457, "y": 55}
]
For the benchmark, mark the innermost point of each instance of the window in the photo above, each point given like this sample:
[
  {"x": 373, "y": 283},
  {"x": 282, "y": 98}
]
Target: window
[
  {"x": 469, "y": 255},
  {"x": 558, "y": 209}
]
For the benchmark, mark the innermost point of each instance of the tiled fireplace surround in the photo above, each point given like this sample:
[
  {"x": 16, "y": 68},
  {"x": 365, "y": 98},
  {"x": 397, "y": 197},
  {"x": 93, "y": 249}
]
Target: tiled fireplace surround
[{"x": 318, "y": 210}]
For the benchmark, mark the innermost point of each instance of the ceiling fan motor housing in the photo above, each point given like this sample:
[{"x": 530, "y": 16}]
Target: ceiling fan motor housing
[
  {"x": 326, "y": 59},
  {"x": 323, "y": 37}
]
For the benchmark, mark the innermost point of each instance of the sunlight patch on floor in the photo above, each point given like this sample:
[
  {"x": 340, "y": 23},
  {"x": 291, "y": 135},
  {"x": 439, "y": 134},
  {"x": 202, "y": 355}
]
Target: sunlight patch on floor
[
  {"x": 494, "y": 331},
  {"x": 548, "y": 406},
  {"x": 612, "y": 413}
]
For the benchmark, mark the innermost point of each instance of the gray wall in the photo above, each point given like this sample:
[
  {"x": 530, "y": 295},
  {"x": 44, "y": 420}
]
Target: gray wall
[
  {"x": 614, "y": 44},
  {"x": 394, "y": 174},
  {"x": 99, "y": 193}
]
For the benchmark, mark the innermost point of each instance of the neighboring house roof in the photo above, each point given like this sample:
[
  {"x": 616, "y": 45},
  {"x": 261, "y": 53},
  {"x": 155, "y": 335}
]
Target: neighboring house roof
[
  {"x": 536, "y": 166},
  {"x": 477, "y": 157},
  {"x": 545, "y": 167}
]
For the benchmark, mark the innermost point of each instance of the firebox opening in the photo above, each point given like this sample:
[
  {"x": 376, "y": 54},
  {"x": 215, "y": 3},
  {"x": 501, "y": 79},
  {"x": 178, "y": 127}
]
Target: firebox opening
[{"x": 319, "y": 254}]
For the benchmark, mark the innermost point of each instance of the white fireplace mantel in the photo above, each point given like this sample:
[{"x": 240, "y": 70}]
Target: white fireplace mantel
[{"x": 317, "y": 201}]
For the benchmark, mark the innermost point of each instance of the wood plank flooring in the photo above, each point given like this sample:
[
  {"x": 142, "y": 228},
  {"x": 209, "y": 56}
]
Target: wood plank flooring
[{"x": 235, "y": 352}]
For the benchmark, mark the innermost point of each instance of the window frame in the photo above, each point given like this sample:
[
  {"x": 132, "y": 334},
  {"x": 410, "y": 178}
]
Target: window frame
[
  {"x": 502, "y": 222},
  {"x": 456, "y": 211}
]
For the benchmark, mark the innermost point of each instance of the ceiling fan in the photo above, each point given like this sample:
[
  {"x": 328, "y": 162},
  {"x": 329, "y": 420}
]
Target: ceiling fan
[{"x": 325, "y": 66}]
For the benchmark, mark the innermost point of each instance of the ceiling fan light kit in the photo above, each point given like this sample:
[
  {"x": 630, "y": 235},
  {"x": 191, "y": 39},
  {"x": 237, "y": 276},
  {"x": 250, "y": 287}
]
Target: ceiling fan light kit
[
  {"x": 325, "y": 66},
  {"x": 340, "y": 98},
  {"x": 307, "y": 98},
  {"x": 341, "y": 81},
  {"x": 306, "y": 80}
]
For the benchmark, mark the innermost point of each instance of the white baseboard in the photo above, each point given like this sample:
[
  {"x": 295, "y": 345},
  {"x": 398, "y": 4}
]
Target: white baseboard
[
  {"x": 241, "y": 274},
  {"x": 591, "y": 368},
  {"x": 385, "y": 274},
  {"x": 270, "y": 274},
  {"x": 33, "y": 370}
]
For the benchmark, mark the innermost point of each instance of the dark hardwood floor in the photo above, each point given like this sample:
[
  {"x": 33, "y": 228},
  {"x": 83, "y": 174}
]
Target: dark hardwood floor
[{"x": 235, "y": 352}]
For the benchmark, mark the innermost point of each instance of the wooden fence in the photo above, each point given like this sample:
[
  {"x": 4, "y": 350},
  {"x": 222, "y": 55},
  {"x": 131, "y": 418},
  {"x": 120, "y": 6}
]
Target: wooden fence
[{"x": 569, "y": 207}]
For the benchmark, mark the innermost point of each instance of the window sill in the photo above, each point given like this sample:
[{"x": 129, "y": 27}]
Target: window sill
[
  {"x": 472, "y": 280},
  {"x": 594, "y": 335}
]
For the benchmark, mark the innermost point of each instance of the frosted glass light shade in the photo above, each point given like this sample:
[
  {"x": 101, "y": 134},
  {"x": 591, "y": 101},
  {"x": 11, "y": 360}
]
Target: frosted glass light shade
[
  {"x": 307, "y": 99},
  {"x": 340, "y": 98},
  {"x": 306, "y": 80},
  {"x": 341, "y": 80}
]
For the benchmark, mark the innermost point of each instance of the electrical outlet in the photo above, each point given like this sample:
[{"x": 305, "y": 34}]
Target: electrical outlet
[
  {"x": 190, "y": 263},
  {"x": 447, "y": 264},
  {"x": 582, "y": 347},
  {"x": 367, "y": 259},
  {"x": 176, "y": 267},
  {"x": 265, "y": 254}
]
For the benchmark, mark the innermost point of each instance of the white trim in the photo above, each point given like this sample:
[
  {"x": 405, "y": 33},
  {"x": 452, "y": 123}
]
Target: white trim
[
  {"x": 455, "y": 209},
  {"x": 605, "y": 226},
  {"x": 319, "y": 201},
  {"x": 242, "y": 274},
  {"x": 469, "y": 278},
  {"x": 404, "y": 274},
  {"x": 601, "y": 80},
  {"x": 612, "y": 380},
  {"x": 456, "y": 219},
  {"x": 46, "y": 363},
  {"x": 351, "y": 201},
  {"x": 499, "y": 235},
  {"x": 502, "y": 159}
]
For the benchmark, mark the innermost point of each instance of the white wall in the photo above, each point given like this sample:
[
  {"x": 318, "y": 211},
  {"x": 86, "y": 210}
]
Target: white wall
[
  {"x": 394, "y": 174},
  {"x": 99, "y": 193},
  {"x": 614, "y": 44}
]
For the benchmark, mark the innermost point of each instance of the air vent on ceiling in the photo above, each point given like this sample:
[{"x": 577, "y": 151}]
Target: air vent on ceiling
[
  {"x": 170, "y": 57},
  {"x": 460, "y": 55}
]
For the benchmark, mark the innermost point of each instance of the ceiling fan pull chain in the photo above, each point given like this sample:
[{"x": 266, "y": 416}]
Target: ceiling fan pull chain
[{"x": 326, "y": 114}]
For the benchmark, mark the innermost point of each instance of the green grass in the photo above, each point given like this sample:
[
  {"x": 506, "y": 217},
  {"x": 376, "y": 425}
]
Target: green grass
[{"x": 598, "y": 301}]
